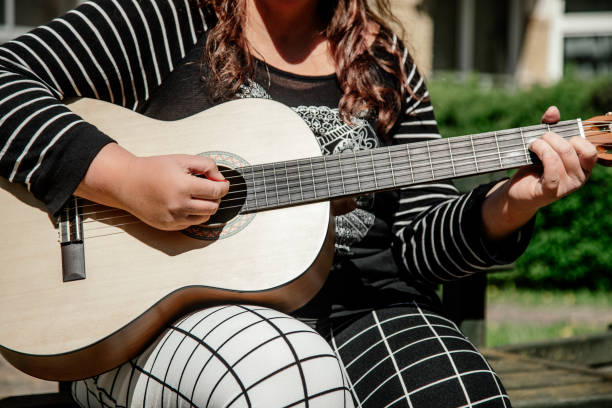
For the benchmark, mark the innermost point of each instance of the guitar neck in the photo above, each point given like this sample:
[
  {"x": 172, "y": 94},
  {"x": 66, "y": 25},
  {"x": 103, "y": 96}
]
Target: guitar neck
[{"x": 302, "y": 181}]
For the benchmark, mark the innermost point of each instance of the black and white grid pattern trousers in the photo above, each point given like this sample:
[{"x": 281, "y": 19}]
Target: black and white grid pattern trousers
[{"x": 248, "y": 356}]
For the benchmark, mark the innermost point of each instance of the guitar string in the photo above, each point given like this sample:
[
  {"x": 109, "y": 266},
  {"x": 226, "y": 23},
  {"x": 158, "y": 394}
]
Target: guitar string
[
  {"x": 414, "y": 147},
  {"x": 139, "y": 221},
  {"x": 385, "y": 153},
  {"x": 454, "y": 143},
  {"x": 332, "y": 186},
  {"x": 369, "y": 178},
  {"x": 458, "y": 143},
  {"x": 125, "y": 224},
  {"x": 313, "y": 174},
  {"x": 459, "y": 160},
  {"x": 349, "y": 159}
]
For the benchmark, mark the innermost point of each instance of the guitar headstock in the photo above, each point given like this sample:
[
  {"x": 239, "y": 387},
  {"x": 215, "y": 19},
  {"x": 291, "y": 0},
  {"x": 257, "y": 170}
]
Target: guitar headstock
[{"x": 598, "y": 131}]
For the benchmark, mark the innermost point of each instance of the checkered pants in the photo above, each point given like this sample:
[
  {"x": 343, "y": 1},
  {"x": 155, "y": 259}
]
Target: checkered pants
[{"x": 247, "y": 356}]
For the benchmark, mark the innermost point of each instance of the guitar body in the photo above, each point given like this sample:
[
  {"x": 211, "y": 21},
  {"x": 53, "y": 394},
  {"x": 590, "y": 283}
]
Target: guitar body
[{"x": 139, "y": 279}]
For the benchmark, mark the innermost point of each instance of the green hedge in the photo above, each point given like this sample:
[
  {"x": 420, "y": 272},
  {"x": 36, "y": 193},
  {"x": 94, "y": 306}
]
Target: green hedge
[{"x": 572, "y": 246}]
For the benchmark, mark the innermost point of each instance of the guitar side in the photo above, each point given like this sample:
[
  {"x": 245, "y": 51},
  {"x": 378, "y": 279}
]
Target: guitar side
[{"x": 139, "y": 279}]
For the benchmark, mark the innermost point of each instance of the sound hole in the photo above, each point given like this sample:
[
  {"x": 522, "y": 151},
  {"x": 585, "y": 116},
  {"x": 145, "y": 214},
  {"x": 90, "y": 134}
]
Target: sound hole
[
  {"x": 228, "y": 220},
  {"x": 232, "y": 203}
]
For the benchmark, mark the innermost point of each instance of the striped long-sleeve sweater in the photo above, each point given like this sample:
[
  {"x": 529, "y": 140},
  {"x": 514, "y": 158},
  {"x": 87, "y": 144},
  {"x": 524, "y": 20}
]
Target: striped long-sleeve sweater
[{"x": 141, "y": 53}]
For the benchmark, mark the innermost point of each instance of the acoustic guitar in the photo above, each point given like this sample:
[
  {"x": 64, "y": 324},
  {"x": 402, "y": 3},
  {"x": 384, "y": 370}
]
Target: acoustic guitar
[{"x": 87, "y": 290}]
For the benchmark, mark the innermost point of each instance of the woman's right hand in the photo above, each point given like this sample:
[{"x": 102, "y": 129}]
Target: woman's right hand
[{"x": 162, "y": 191}]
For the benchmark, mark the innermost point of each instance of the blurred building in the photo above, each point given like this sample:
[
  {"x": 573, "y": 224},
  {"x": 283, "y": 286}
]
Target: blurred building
[{"x": 525, "y": 41}]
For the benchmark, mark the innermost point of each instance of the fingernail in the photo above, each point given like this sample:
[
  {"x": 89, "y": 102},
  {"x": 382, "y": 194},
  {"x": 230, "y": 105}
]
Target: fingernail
[{"x": 214, "y": 179}]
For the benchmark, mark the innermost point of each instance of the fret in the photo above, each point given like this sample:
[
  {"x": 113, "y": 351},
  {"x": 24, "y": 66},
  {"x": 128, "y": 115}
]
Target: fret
[
  {"x": 263, "y": 176},
  {"x": 350, "y": 172},
  {"x": 374, "y": 170},
  {"x": 580, "y": 128},
  {"x": 410, "y": 163},
  {"x": 487, "y": 153},
  {"x": 474, "y": 152},
  {"x": 314, "y": 183},
  {"x": 380, "y": 168},
  {"x": 463, "y": 156},
  {"x": 433, "y": 175},
  {"x": 391, "y": 165},
  {"x": 341, "y": 174},
  {"x": 271, "y": 184},
  {"x": 357, "y": 170},
  {"x": 419, "y": 163},
  {"x": 335, "y": 175},
  {"x": 308, "y": 179},
  {"x": 278, "y": 200},
  {"x": 287, "y": 181},
  {"x": 364, "y": 170},
  {"x": 450, "y": 152},
  {"x": 524, "y": 145},
  {"x": 318, "y": 177},
  {"x": 297, "y": 162},
  {"x": 511, "y": 154},
  {"x": 329, "y": 193},
  {"x": 438, "y": 157},
  {"x": 501, "y": 163},
  {"x": 569, "y": 128}
]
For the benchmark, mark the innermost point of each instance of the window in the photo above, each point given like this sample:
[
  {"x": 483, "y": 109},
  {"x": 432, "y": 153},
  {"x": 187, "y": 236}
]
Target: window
[
  {"x": 587, "y": 36},
  {"x": 477, "y": 35},
  {"x": 589, "y": 54},
  {"x": 572, "y": 6}
]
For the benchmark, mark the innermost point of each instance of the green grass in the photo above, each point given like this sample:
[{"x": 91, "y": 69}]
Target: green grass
[
  {"x": 542, "y": 297},
  {"x": 500, "y": 333},
  {"x": 503, "y": 334}
]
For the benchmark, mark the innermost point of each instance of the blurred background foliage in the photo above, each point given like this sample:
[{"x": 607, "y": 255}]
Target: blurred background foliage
[{"x": 572, "y": 245}]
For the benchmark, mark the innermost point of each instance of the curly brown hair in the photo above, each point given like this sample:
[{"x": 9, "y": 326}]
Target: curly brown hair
[{"x": 373, "y": 76}]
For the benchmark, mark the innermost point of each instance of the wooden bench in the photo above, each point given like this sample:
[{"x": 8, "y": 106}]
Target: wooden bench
[{"x": 565, "y": 373}]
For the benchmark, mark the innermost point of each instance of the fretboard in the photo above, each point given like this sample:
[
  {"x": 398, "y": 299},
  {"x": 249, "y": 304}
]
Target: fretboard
[{"x": 295, "y": 182}]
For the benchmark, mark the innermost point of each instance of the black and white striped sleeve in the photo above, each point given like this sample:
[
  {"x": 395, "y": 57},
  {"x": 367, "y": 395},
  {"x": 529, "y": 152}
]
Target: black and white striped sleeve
[
  {"x": 438, "y": 230},
  {"x": 115, "y": 50}
]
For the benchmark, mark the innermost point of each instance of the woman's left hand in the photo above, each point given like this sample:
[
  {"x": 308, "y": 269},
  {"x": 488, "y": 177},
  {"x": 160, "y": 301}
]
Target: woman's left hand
[{"x": 566, "y": 165}]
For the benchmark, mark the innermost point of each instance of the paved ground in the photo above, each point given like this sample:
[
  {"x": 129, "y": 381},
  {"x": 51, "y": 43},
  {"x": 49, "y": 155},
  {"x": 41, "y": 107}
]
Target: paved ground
[{"x": 14, "y": 382}]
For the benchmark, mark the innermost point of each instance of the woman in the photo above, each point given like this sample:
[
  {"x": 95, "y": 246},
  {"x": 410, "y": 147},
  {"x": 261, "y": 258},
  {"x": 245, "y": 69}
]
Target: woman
[{"x": 343, "y": 71}]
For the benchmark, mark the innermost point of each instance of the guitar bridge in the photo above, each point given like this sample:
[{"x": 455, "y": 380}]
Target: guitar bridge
[{"x": 72, "y": 242}]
